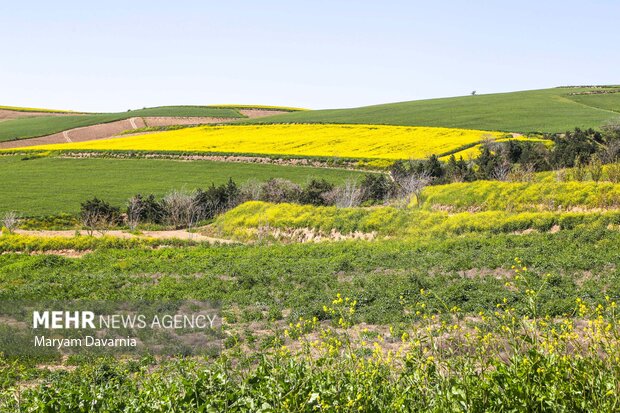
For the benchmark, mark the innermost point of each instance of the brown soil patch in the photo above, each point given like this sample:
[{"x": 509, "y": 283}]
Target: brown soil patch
[
  {"x": 260, "y": 113},
  {"x": 497, "y": 273},
  {"x": 63, "y": 253},
  {"x": 173, "y": 234},
  {"x": 113, "y": 129},
  {"x": 171, "y": 121},
  {"x": 15, "y": 114},
  {"x": 87, "y": 133}
]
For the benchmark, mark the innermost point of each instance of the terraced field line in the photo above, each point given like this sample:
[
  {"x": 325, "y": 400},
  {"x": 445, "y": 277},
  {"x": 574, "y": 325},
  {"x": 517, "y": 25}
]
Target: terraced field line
[
  {"x": 132, "y": 121},
  {"x": 65, "y": 135}
]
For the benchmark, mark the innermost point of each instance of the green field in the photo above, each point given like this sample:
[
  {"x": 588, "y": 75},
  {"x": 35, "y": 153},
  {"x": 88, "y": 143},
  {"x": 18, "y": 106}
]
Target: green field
[
  {"x": 266, "y": 289},
  {"x": 40, "y": 126},
  {"x": 546, "y": 110},
  {"x": 46, "y": 186},
  {"x": 481, "y": 296}
]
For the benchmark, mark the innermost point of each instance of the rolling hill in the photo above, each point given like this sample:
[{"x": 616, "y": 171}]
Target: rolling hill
[
  {"x": 24, "y": 123},
  {"x": 546, "y": 110}
]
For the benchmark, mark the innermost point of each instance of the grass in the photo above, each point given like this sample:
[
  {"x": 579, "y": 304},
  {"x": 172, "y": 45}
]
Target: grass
[
  {"x": 33, "y": 127},
  {"x": 410, "y": 295},
  {"x": 347, "y": 141},
  {"x": 545, "y": 110},
  {"x": 49, "y": 185},
  {"x": 298, "y": 277}
]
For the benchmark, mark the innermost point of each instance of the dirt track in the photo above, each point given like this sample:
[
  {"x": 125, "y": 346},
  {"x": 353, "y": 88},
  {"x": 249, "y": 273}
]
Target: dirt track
[
  {"x": 176, "y": 234},
  {"x": 87, "y": 133},
  {"x": 14, "y": 114},
  {"x": 113, "y": 129},
  {"x": 260, "y": 113},
  {"x": 169, "y": 121}
]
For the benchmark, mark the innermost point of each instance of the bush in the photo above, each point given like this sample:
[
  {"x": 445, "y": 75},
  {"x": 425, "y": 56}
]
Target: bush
[
  {"x": 97, "y": 214},
  {"x": 217, "y": 199},
  {"x": 376, "y": 187},
  {"x": 181, "y": 208},
  {"x": 315, "y": 192},
  {"x": 278, "y": 190}
]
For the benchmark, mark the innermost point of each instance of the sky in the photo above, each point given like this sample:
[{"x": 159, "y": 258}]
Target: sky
[{"x": 118, "y": 55}]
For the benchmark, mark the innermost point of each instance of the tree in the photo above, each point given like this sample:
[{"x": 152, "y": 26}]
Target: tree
[
  {"x": 487, "y": 163},
  {"x": 279, "y": 190},
  {"x": 411, "y": 186},
  {"x": 433, "y": 167},
  {"x": 135, "y": 207},
  {"x": 347, "y": 195},
  {"x": 578, "y": 145},
  {"x": 376, "y": 187},
  {"x": 314, "y": 193},
  {"x": 181, "y": 209},
  {"x": 10, "y": 220},
  {"x": 98, "y": 215}
]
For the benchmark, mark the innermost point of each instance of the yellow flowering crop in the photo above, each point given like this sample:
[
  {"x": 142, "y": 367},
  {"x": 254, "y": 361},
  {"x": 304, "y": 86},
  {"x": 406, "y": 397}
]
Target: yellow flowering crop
[{"x": 348, "y": 141}]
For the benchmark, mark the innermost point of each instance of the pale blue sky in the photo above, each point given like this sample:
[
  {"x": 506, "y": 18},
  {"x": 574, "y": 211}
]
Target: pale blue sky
[{"x": 115, "y": 55}]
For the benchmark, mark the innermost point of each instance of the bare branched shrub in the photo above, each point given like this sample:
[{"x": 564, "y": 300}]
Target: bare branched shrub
[
  {"x": 135, "y": 208},
  {"x": 279, "y": 190},
  {"x": 251, "y": 191},
  {"x": 522, "y": 173},
  {"x": 98, "y": 215},
  {"x": 501, "y": 171},
  {"x": 181, "y": 209},
  {"x": 93, "y": 220},
  {"x": 411, "y": 186},
  {"x": 10, "y": 221},
  {"x": 611, "y": 152},
  {"x": 347, "y": 195},
  {"x": 612, "y": 128}
]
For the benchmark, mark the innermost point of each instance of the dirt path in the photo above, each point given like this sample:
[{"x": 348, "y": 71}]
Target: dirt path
[
  {"x": 113, "y": 129},
  {"x": 170, "y": 121},
  {"x": 173, "y": 234},
  {"x": 16, "y": 114},
  {"x": 260, "y": 113}
]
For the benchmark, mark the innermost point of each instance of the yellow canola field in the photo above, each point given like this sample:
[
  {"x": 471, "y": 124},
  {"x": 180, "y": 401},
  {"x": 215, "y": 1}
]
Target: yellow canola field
[{"x": 347, "y": 141}]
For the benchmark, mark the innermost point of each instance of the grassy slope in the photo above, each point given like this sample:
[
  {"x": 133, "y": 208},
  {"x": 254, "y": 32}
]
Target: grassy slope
[
  {"x": 52, "y": 185},
  {"x": 32, "y": 127},
  {"x": 546, "y": 110}
]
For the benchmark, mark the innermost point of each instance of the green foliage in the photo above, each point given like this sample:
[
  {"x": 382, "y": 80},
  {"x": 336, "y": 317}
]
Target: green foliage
[
  {"x": 96, "y": 212},
  {"x": 377, "y": 187},
  {"x": 314, "y": 192}
]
